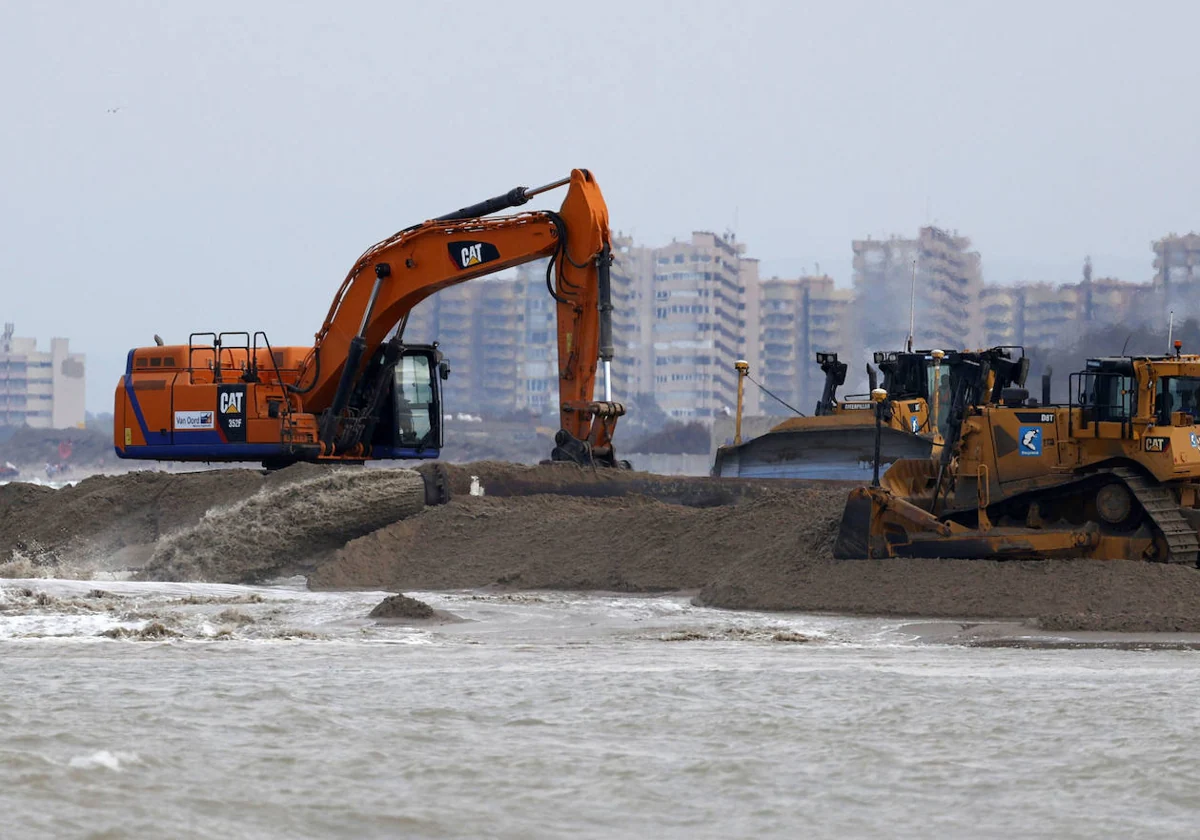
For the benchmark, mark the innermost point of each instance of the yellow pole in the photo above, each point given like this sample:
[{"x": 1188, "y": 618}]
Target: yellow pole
[
  {"x": 878, "y": 395},
  {"x": 938, "y": 355},
  {"x": 743, "y": 369}
]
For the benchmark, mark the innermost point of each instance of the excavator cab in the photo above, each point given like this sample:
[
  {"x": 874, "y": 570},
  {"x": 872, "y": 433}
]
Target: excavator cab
[{"x": 413, "y": 427}]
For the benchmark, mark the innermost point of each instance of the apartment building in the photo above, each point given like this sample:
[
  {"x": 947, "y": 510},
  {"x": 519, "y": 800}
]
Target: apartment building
[
  {"x": 537, "y": 354},
  {"x": 1050, "y": 315},
  {"x": 1107, "y": 300},
  {"x": 953, "y": 278},
  {"x": 633, "y": 319},
  {"x": 799, "y": 318},
  {"x": 454, "y": 318},
  {"x": 1031, "y": 314},
  {"x": 750, "y": 326},
  {"x": 999, "y": 310},
  {"x": 1177, "y": 274},
  {"x": 683, "y": 314},
  {"x": 500, "y": 335},
  {"x": 44, "y": 390},
  {"x": 699, "y": 325},
  {"x": 948, "y": 285},
  {"x": 499, "y": 343},
  {"x": 536, "y": 369}
]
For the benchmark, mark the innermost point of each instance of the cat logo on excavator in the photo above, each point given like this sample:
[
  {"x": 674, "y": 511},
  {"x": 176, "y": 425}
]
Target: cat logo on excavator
[
  {"x": 231, "y": 401},
  {"x": 470, "y": 254}
]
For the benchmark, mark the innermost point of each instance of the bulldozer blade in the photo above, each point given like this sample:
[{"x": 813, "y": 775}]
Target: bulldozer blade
[
  {"x": 875, "y": 519},
  {"x": 854, "y": 535},
  {"x": 878, "y": 524},
  {"x": 821, "y": 452},
  {"x": 1015, "y": 544}
]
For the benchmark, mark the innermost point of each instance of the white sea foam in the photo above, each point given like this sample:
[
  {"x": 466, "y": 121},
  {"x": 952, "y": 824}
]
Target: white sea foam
[{"x": 105, "y": 759}]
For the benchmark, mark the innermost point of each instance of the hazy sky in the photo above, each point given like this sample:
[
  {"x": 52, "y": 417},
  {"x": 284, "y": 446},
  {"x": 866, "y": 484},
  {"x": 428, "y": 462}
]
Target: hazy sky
[{"x": 259, "y": 147}]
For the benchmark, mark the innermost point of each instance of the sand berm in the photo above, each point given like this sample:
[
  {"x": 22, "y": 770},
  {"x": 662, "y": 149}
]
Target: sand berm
[{"x": 737, "y": 544}]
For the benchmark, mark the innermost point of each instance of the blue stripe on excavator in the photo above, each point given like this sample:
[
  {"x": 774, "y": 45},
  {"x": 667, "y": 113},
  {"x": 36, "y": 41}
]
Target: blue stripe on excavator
[{"x": 251, "y": 452}]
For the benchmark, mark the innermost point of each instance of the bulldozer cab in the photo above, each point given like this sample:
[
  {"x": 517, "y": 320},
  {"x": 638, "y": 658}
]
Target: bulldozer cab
[
  {"x": 981, "y": 378},
  {"x": 906, "y": 375},
  {"x": 1174, "y": 396},
  {"x": 970, "y": 377},
  {"x": 1105, "y": 394},
  {"x": 911, "y": 380},
  {"x": 835, "y": 377},
  {"x": 988, "y": 377},
  {"x": 1140, "y": 399}
]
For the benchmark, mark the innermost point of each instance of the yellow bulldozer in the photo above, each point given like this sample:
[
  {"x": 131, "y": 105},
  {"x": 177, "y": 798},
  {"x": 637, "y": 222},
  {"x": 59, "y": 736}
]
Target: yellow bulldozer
[
  {"x": 838, "y": 440},
  {"x": 1113, "y": 474}
]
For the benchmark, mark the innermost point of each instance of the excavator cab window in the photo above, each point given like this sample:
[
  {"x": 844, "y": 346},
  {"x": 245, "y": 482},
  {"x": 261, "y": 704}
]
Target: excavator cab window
[
  {"x": 417, "y": 391},
  {"x": 1177, "y": 393}
]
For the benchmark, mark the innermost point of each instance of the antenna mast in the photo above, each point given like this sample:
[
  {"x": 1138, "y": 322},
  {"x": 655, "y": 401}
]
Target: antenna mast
[
  {"x": 912, "y": 307},
  {"x": 1170, "y": 332}
]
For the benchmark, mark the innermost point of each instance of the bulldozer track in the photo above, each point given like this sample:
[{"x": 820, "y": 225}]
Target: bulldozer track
[{"x": 1183, "y": 543}]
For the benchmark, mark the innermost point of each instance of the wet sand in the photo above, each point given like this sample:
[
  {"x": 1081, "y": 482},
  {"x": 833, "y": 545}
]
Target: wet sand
[
  {"x": 737, "y": 544},
  {"x": 1028, "y": 634}
]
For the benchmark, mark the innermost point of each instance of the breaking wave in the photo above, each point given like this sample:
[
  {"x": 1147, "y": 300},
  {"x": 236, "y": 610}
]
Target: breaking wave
[{"x": 287, "y": 527}]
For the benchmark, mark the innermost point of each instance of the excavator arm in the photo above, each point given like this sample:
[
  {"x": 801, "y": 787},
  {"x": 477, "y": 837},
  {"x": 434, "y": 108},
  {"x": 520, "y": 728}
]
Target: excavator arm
[{"x": 396, "y": 274}]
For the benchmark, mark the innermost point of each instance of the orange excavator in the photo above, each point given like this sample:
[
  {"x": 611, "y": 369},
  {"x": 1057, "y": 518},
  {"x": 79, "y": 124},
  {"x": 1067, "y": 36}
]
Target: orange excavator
[{"x": 360, "y": 392}]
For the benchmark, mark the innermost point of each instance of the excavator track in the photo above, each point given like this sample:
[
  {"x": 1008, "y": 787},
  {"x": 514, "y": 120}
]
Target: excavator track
[{"x": 1183, "y": 543}]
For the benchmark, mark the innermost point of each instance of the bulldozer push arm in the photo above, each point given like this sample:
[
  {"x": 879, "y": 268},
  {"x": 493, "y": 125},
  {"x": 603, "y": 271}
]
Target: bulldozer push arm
[{"x": 335, "y": 399}]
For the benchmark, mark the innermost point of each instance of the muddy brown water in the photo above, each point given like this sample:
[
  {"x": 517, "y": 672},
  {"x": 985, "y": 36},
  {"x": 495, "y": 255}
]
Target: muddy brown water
[{"x": 737, "y": 545}]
